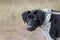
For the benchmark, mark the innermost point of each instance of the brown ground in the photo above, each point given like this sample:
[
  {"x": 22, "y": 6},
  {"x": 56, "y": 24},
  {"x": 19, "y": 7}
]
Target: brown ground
[{"x": 11, "y": 24}]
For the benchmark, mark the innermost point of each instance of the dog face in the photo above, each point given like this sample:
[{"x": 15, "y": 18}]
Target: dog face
[{"x": 33, "y": 19}]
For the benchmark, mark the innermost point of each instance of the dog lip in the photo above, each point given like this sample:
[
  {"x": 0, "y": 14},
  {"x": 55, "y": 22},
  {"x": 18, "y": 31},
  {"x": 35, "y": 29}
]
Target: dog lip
[
  {"x": 30, "y": 29},
  {"x": 29, "y": 26}
]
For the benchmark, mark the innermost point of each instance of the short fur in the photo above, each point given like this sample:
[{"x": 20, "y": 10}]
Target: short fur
[{"x": 36, "y": 18}]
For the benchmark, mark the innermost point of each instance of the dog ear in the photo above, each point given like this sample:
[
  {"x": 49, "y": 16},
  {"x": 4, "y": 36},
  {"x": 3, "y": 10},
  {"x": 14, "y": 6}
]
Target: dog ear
[
  {"x": 35, "y": 11},
  {"x": 24, "y": 15},
  {"x": 41, "y": 15}
]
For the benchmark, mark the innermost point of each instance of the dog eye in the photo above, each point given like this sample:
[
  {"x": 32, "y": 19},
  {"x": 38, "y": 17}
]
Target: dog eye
[{"x": 31, "y": 17}]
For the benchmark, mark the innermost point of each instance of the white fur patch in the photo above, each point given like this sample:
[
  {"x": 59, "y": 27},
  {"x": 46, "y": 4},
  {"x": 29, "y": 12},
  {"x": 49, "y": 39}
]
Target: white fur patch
[
  {"x": 58, "y": 38},
  {"x": 46, "y": 25}
]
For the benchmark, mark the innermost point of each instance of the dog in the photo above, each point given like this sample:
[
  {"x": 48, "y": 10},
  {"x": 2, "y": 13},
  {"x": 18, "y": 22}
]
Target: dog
[{"x": 46, "y": 20}]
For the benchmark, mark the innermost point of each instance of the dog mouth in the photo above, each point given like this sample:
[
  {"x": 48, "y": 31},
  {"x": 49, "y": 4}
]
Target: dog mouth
[{"x": 30, "y": 28}]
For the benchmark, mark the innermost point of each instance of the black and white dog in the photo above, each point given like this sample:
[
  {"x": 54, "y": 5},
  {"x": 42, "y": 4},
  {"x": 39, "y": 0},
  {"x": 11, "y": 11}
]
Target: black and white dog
[{"x": 46, "y": 19}]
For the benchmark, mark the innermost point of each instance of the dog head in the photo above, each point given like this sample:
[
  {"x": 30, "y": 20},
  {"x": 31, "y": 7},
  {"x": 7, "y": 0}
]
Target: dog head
[{"x": 33, "y": 18}]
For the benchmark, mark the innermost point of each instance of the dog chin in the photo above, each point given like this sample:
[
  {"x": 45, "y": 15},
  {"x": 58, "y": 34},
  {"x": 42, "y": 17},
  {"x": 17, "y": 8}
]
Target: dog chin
[{"x": 31, "y": 29}]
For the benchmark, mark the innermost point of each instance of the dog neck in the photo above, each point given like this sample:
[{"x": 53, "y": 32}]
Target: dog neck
[
  {"x": 46, "y": 25},
  {"x": 47, "y": 17}
]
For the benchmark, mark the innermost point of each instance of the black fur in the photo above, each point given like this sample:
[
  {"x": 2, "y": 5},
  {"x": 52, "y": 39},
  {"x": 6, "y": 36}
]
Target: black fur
[
  {"x": 55, "y": 26},
  {"x": 35, "y": 18}
]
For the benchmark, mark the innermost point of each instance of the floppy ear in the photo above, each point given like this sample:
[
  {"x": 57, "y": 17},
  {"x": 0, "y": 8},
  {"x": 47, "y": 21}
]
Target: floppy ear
[
  {"x": 24, "y": 15},
  {"x": 41, "y": 15}
]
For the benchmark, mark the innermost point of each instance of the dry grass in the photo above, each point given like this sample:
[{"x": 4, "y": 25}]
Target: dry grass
[{"x": 11, "y": 24}]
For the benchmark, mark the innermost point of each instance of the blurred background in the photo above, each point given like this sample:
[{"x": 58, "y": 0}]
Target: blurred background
[{"x": 11, "y": 24}]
